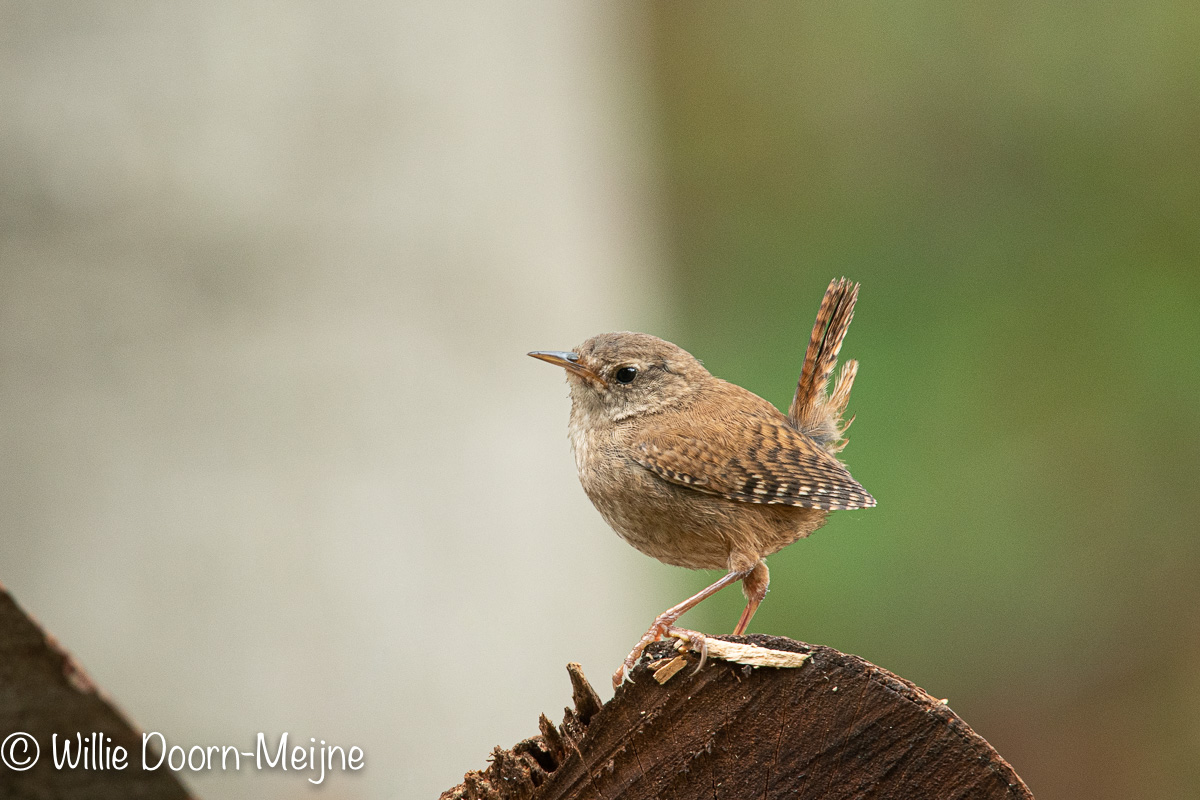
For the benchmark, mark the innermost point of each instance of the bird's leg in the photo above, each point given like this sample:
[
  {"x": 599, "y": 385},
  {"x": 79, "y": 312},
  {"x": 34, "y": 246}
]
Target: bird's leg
[
  {"x": 754, "y": 585},
  {"x": 665, "y": 620}
]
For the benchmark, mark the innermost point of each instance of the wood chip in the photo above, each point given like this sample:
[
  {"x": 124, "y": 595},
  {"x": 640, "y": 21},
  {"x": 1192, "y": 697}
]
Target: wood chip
[
  {"x": 668, "y": 670},
  {"x": 749, "y": 654}
]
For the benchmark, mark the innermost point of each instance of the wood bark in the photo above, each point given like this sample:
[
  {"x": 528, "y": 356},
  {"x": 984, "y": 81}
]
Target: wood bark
[
  {"x": 836, "y": 727},
  {"x": 44, "y": 692}
]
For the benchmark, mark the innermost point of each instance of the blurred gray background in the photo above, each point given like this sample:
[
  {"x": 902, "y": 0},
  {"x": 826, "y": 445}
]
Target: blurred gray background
[{"x": 273, "y": 457}]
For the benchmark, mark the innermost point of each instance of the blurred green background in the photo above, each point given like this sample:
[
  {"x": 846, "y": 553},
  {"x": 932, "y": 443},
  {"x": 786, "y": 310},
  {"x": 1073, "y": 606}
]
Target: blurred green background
[{"x": 1017, "y": 187}]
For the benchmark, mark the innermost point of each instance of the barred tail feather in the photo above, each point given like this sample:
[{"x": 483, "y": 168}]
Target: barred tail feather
[{"x": 813, "y": 412}]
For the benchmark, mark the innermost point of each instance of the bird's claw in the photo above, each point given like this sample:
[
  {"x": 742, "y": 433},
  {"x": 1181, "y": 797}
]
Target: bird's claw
[{"x": 660, "y": 629}]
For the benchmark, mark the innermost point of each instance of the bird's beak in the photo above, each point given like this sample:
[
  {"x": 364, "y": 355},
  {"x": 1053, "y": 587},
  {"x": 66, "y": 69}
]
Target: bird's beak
[{"x": 570, "y": 362}]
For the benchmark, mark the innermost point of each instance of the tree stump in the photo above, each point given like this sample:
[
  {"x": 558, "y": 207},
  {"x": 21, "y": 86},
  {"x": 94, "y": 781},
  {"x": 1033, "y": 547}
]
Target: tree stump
[
  {"x": 834, "y": 727},
  {"x": 43, "y": 692}
]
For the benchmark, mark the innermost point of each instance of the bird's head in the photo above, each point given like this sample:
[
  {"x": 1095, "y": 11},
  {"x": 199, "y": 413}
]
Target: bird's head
[{"x": 620, "y": 375}]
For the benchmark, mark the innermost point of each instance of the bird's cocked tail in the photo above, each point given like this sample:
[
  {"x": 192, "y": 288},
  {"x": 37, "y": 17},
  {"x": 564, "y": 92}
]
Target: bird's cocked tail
[{"x": 816, "y": 412}]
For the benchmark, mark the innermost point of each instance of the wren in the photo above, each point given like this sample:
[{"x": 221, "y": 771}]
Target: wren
[{"x": 700, "y": 473}]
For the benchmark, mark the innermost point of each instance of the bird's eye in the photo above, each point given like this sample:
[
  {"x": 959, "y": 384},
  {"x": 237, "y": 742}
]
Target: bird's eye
[{"x": 625, "y": 374}]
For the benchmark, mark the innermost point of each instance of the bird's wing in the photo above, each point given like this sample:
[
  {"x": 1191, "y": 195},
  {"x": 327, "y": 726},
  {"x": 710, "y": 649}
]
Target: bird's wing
[{"x": 755, "y": 460}]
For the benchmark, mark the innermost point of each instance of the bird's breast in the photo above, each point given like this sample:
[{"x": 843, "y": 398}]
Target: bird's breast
[{"x": 646, "y": 512}]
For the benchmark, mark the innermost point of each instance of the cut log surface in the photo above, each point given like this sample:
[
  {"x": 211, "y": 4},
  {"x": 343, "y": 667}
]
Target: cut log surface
[
  {"x": 834, "y": 727},
  {"x": 43, "y": 692}
]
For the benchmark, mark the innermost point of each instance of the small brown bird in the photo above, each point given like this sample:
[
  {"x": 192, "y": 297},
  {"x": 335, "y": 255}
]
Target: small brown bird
[{"x": 700, "y": 473}]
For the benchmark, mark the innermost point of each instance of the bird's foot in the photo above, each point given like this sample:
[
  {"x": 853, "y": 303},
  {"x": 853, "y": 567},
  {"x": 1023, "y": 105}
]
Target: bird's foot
[
  {"x": 685, "y": 637},
  {"x": 691, "y": 640},
  {"x": 660, "y": 629}
]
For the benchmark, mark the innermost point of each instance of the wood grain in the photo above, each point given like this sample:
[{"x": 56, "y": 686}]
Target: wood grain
[{"x": 838, "y": 727}]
